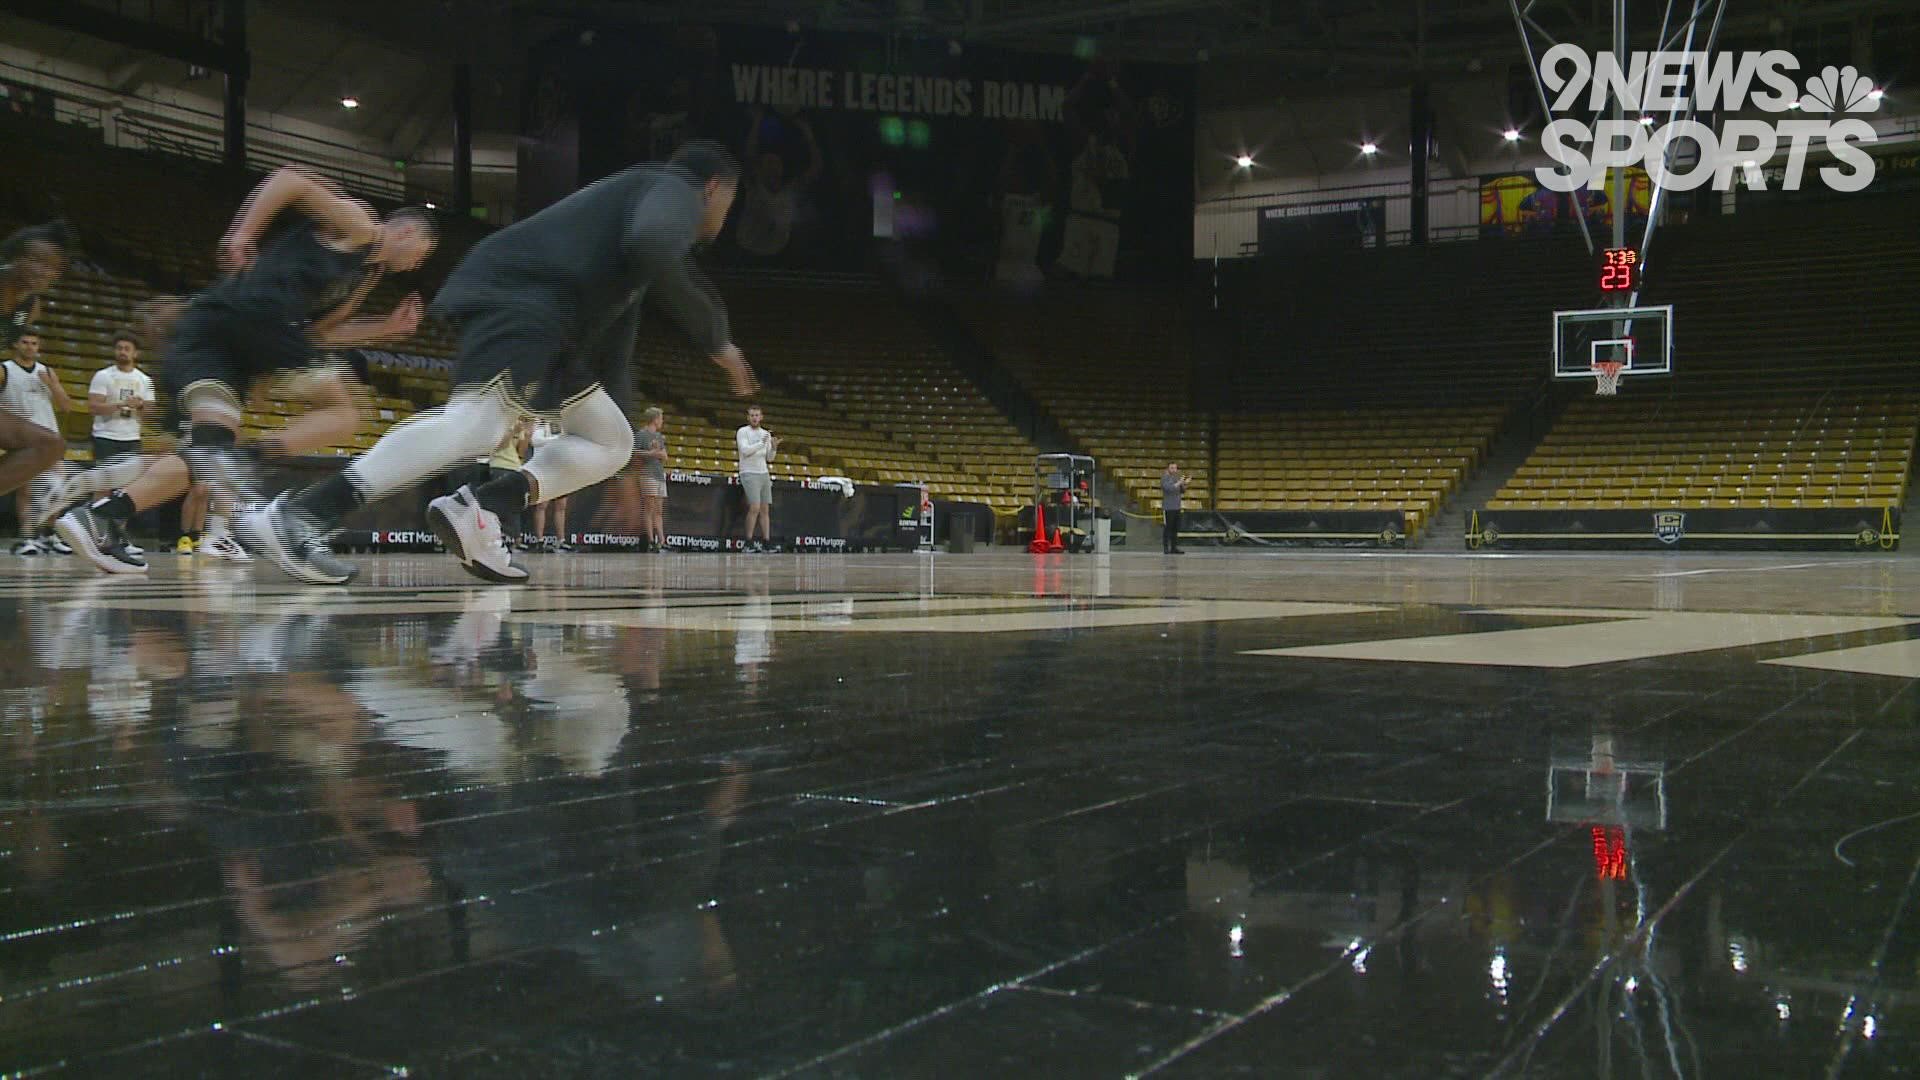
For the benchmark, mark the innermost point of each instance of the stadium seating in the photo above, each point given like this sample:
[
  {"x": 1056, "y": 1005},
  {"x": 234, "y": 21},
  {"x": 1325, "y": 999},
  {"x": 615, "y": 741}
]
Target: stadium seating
[
  {"x": 1795, "y": 331},
  {"x": 1113, "y": 367},
  {"x": 1739, "y": 451},
  {"x": 880, "y": 406},
  {"x": 1409, "y": 459}
]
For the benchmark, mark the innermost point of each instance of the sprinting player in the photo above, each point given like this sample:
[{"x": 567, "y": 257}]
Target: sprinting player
[
  {"x": 653, "y": 486},
  {"x": 112, "y": 470},
  {"x": 32, "y": 392},
  {"x": 31, "y": 260},
  {"x": 297, "y": 291},
  {"x": 757, "y": 446},
  {"x": 547, "y": 309}
]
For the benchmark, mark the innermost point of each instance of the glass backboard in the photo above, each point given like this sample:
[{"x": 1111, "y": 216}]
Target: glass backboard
[{"x": 1641, "y": 338}]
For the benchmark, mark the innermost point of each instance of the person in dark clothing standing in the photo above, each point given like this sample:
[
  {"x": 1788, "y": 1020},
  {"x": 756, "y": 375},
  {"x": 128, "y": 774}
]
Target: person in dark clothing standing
[
  {"x": 1172, "y": 486},
  {"x": 547, "y": 309}
]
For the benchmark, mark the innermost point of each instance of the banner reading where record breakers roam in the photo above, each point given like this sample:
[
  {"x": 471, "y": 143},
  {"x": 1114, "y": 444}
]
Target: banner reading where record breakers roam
[{"x": 975, "y": 159}]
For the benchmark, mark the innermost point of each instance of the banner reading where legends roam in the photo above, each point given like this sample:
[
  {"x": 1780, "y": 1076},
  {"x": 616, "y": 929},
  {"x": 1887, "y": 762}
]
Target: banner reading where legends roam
[{"x": 1014, "y": 163}]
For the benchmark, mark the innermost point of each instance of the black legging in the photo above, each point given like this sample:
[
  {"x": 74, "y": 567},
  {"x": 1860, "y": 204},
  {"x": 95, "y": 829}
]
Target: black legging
[{"x": 1170, "y": 534}]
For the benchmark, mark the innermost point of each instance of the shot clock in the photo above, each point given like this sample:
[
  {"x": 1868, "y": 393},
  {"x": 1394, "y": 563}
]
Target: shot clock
[{"x": 1617, "y": 269}]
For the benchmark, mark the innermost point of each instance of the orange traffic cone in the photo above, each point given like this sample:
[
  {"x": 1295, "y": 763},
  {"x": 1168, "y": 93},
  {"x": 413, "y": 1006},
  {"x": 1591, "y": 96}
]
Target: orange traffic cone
[{"x": 1038, "y": 545}]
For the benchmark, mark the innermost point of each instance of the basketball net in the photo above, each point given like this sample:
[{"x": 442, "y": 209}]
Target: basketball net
[{"x": 1606, "y": 377}]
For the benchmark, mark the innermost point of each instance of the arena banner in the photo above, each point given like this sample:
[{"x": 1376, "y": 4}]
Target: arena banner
[
  {"x": 704, "y": 512},
  {"x": 1896, "y": 170},
  {"x": 1013, "y": 163},
  {"x": 1515, "y": 204},
  {"x": 1295, "y": 528},
  {"x": 1312, "y": 228},
  {"x": 1865, "y": 528}
]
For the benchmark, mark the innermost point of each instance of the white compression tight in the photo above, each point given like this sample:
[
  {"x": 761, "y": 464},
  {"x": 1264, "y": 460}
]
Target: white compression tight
[{"x": 595, "y": 442}]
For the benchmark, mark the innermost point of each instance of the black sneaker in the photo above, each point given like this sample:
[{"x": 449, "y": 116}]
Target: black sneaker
[
  {"x": 125, "y": 552},
  {"x": 91, "y": 541}
]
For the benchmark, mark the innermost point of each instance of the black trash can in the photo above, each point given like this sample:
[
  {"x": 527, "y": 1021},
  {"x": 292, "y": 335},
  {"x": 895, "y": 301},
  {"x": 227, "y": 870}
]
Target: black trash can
[{"x": 959, "y": 534}]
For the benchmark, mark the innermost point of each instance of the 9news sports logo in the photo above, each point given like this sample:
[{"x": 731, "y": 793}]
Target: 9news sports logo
[{"x": 1656, "y": 83}]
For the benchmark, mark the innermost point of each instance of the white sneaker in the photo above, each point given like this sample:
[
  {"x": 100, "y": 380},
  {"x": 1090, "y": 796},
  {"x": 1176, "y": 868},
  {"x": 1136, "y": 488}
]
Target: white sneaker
[
  {"x": 48, "y": 494},
  {"x": 224, "y": 546},
  {"x": 472, "y": 533},
  {"x": 28, "y": 548},
  {"x": 55, "y": 546},
  {"x": 132, "y": 548}
]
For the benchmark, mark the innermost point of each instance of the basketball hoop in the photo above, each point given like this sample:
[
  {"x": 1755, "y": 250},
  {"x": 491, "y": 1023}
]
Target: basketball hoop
[{"x": 1606, "y": 377}]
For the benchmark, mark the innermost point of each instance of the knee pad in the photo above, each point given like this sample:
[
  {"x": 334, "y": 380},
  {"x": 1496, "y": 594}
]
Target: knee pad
[{"x": 210, "y": 398}]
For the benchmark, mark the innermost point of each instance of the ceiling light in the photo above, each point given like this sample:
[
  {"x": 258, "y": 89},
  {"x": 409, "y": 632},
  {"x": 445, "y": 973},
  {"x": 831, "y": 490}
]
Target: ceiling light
[
  {"x": 1245, "y": 161},
  {"x": 1511, "y": 134},
  {"x": 1876, "y": 94},
  {"x": 349, "y": 102},
  {"x": 1369, "y": 149},
  {"x": 1646, "y": 121}
]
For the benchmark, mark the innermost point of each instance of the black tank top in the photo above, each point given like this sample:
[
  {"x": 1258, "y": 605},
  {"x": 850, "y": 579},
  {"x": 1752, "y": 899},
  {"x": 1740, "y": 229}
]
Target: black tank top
[{"x": 296, "y": 276}]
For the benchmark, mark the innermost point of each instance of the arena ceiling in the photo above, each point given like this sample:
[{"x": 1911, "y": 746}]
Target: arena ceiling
[{"x": 396, "y": 56}]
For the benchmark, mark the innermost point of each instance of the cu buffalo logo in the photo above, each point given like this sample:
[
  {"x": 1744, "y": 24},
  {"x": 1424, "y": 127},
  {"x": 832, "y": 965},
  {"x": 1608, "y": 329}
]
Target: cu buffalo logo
[
  {"x": 1669, "y": 526},
  {"x": 1163, "y": 110}
]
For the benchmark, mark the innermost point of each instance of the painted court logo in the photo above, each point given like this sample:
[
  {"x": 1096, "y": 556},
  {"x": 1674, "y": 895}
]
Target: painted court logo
[{"x": 1657, "y": 89}]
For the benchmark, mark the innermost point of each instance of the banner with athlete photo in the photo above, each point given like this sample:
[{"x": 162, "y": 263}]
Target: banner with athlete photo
[
  {"x": 1011, "y": 163},
  {"x": 1516, "y": 205}
]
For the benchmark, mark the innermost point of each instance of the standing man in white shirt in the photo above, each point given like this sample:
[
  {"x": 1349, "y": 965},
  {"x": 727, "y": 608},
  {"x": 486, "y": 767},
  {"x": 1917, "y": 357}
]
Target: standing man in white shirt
[
  {"x": 757, "y": 446},
  {"x": 31, "y": 391},
  {"x": 119, "y": 397}
]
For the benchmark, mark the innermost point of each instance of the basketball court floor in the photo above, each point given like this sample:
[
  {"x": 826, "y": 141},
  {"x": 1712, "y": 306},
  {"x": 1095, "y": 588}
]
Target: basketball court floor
[{"x": 1294, "y": 815}]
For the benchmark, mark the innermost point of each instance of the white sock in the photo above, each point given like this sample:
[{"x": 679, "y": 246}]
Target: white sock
[{"x": 112, "y": 476}]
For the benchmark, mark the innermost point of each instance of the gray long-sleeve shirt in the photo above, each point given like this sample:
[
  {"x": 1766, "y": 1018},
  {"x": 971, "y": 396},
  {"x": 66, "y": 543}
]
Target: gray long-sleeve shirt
[
  {"x": 1170, "y": 489},
  {"x": 591, "y": 258}
]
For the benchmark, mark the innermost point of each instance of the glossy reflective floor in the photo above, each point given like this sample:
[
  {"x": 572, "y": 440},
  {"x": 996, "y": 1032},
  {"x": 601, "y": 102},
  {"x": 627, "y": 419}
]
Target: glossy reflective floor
[{"x": 970, "y": 816}]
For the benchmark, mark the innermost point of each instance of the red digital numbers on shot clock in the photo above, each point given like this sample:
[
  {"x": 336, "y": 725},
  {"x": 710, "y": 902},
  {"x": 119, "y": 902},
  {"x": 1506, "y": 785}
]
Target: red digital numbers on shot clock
[{"x": 1616, "y": 270}]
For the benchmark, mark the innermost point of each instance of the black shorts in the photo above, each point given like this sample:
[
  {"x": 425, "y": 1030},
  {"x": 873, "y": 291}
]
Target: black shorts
[
  {"x": 533, "y": 355},
  {"x": 231, "y": 349},
  {"x": 105, "y": 450}
]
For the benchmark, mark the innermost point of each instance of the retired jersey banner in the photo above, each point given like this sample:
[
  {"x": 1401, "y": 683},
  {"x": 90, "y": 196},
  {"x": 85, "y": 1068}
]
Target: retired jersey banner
[
  {"x": 1516, "y": 205},
  {"x": 1003, "y": 162}
]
